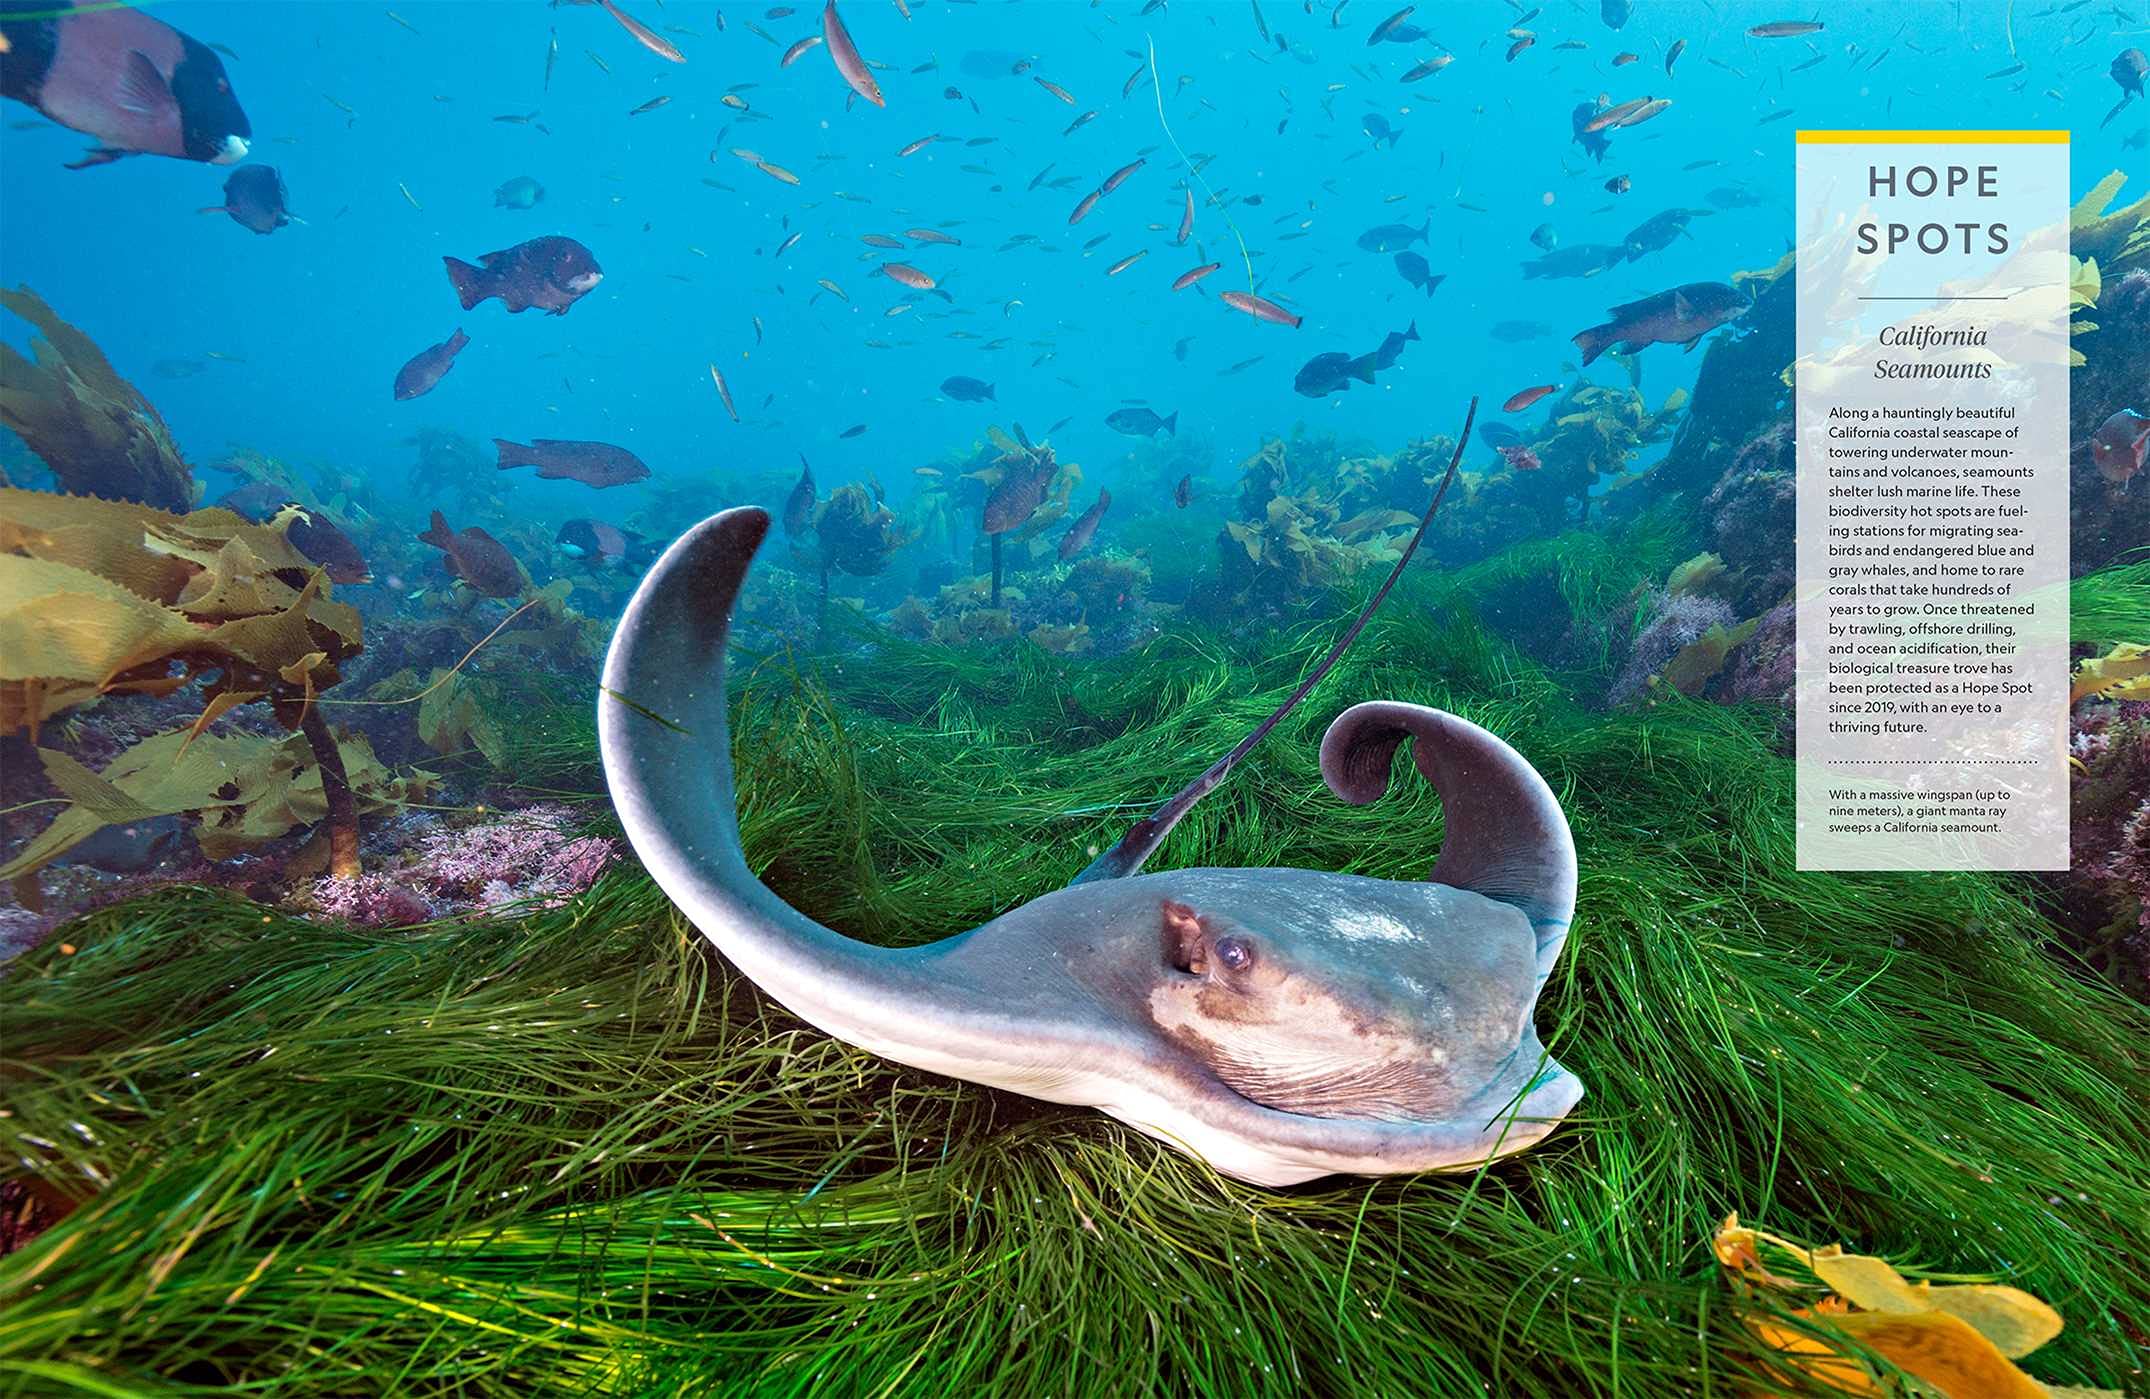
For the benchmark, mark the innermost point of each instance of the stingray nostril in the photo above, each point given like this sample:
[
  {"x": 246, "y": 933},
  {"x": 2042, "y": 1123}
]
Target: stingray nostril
[{"x": 1184, "y": 942}]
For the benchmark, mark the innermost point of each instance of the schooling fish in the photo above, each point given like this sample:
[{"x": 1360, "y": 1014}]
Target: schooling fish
[
  {"x": 125, "y": 77},
  {"x": 845, "y": 55},
  {"x": 254, "y": 197},
  {"x": 550, "y": 273},
  {"x": 1785, "y": 29},
  {"x": 596, "y": 464},
  {"x": 426, "y": 368},
  {"x": 724, "y": 390},
  {"x": 481, "y": 561},
  {"x": 1261, "y": 308}
]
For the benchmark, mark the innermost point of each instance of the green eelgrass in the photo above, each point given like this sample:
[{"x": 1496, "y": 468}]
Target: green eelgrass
[{"x": 571, "y": 1152}]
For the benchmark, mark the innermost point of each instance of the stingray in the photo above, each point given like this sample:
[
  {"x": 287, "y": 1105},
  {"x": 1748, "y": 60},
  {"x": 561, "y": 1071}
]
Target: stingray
[{"x": 1278, "y": 1024}]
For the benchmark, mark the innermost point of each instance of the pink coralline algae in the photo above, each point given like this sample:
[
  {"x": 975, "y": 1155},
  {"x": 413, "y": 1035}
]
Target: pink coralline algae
[
  {"x": 527, "y": 858},
  {"x": 371, "y": 901},
  {"x": 1521, "y": 458}
]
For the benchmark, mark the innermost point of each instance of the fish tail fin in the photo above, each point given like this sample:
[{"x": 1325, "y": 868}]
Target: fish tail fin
[
  {"x": 469, "y": 282},
  {"x": 1104, "y": 497},
  {"x": 1425, "y": 230},
  {"x": 989, "y": 393},
  {"x": 457, "y": 341},
  {"x": 1412, "y": 333},
  {"x": 1430, "y": 283},
  {"x": 438, "y": 534},
  {"x": 1595, "y": 341},
  {"x": 512, "y": 454},
  {"x": 1172, "y": 424},
  {"x": 1362, "y": 369}
]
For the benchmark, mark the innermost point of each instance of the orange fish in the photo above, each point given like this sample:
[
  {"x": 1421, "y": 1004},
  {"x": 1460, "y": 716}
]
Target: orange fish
[{"x": 1518, "y": 402}]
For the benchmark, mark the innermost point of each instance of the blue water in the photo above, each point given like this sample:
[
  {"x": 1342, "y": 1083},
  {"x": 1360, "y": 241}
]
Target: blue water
[{"x": 318, "y": 317}]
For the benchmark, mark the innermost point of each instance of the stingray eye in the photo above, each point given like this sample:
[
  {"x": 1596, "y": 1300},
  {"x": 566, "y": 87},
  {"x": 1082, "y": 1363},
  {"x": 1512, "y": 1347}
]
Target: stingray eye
[{"x": 1233, "y": 954}]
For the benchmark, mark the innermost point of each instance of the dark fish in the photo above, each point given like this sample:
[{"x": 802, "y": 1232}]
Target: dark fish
[
  {"x": 592, "y": 541},
  {"x": 1141, "y": 422},
  {"x": 522, "y": 192},
  {"x": 964, "y": 389},
  {"x": 1619, "y": 184},
  {"x": 2119, "y": 446},
  {"x": 1499, "y": 435},
  {"x": 799, "y": 505},
  {"x": 125, "y": 849},
  {"x": 855, "y": 430},
  {"x": 1418, "y": 272},
  {"x": 1672, "y": 55},
  {"x": 1392, "y": 346},
  {"x": 1735, "y": 197},
  {"x": 423, "y": 370},
  {"x": 1391, "y": 237},
  {"x": 1681, "y": 316},
  {"x": 550, "y": 273},
  {"x": 1332, "y": 373},
  {"x": 650, "y": 106},
  {"x": 125, "y": 77},
  {"x": 1183, "y": 493},
  {"x": 598, "y": 464},
  {"x": 1377, "y": 126},
  {"x": 1785, "y": 29},
  {"x": 1429, "y": 68},
  {"x": 477, "y": 558},
  {"x": 1581, "y": 260},
  {"x": 254, "y": 197},
  {"x": 1516, "y": 332},
  {"x": 1080, "y": 533},
  {"x": 1591, "y": 138},
  {"x": 1545, "y": 238},
  {"x": 1019, "y": 492},
  {"x": 1656, "y": 234},
  {"x": 1615, "y": 12},
  {"x": 316, "y": 536},
  {"x": 2128, "y": 70}
]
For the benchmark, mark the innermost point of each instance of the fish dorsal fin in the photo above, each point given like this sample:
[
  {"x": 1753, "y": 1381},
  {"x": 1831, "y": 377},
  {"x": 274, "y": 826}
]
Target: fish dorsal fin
[
  {"x": 142, "y": 89},
  {"x": 1127, "y": 857}
]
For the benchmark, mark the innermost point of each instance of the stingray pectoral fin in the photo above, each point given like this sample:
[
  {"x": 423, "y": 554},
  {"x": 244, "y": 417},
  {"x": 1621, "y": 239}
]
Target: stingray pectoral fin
[
  {"x": 1506, "y": 837},
  {"x": 666, "y": 742}
]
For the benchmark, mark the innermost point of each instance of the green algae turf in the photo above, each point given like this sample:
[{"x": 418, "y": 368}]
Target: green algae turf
[{"x": 571, "y": 1152}]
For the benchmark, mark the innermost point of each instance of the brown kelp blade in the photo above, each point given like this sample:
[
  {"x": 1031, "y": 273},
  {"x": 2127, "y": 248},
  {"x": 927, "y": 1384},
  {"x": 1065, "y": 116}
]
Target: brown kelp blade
[{"x": 1138, "y": 844}]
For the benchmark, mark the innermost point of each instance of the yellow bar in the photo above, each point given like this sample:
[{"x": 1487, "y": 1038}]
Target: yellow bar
[{"x": 1934, "y": 138}]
